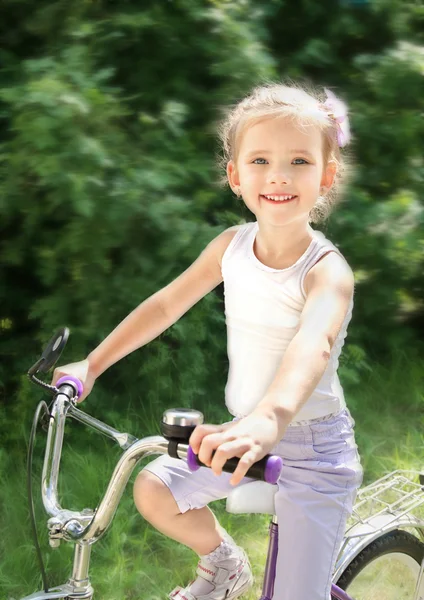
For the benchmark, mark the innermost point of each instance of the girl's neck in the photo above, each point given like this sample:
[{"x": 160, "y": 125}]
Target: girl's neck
[{"x": 282, "y": 246}]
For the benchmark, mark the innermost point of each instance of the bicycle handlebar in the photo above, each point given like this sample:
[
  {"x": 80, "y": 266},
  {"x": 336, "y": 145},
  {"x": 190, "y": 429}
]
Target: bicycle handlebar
[
  {"x": 88, "y": 526},
  {"x": 266, "y": 469},
  {"x": 79, "y": 389}
]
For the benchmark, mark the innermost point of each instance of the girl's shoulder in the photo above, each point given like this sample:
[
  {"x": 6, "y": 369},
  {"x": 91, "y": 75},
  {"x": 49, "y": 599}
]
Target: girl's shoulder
[
  {"x": 330, "y": 268},
  {"x": 228, "y": 237}
]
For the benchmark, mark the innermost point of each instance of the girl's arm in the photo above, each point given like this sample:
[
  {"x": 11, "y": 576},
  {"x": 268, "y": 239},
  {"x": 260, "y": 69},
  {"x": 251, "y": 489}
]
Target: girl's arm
[
  {"x": 154, "y": 315},
  {"x": 329, "y": 287},
  {"x": 163, "y": 309}
]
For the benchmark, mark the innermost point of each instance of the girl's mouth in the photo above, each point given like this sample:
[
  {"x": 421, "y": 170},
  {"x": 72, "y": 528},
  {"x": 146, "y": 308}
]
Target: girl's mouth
[{"x": 278, "y": 199}]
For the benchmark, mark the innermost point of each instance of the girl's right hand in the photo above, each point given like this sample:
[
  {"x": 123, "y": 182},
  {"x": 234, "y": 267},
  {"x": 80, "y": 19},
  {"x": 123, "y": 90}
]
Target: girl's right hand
[{"x": 82, "y": 371}]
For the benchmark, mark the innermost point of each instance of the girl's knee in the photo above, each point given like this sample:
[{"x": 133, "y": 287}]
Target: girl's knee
[{"x": 152, "y": 496}]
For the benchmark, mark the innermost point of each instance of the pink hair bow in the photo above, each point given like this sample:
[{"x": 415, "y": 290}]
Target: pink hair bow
[{"x": 338, "y": 110}]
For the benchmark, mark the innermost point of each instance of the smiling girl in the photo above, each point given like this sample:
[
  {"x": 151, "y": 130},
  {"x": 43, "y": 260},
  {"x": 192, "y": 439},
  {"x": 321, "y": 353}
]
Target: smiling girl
[{"x": 288, "y": 302}]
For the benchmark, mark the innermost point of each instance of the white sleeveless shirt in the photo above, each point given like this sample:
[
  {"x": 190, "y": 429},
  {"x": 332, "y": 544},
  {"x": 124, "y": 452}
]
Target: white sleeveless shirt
[{"x": 262, "y": 309}]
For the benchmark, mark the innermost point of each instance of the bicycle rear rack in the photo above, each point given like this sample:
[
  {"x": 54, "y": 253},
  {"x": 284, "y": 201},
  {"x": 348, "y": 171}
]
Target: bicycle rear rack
[{"x": 386, "y": 501}]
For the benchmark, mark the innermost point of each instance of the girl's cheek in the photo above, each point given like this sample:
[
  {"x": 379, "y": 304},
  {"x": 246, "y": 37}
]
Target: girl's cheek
[{"x": 256, "y": 174}]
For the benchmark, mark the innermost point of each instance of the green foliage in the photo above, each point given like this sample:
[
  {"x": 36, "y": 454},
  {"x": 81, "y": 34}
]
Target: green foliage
[
  {"x": 107, "y": 175},
  {"x": 107, "y": 179}
]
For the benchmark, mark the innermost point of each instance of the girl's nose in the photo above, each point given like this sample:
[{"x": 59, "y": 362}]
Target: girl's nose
[{"x": 278, "y": 177}]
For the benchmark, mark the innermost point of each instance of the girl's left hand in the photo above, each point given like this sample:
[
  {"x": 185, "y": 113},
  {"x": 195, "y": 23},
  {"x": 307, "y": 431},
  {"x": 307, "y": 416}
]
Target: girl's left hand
[{"x": 249, "y": 439}]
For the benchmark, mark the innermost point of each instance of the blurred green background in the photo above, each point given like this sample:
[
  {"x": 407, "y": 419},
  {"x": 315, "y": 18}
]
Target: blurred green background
[{"x": 108, "y": 191}]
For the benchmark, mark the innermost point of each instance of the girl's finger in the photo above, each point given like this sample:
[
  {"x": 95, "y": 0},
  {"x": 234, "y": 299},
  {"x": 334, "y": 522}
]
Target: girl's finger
[
  {"x": 234, "y": 448},
  {"x": 244, "y": 464},
  {"x": 199, "y": 433},
  {"x": 207, "y": 446}
]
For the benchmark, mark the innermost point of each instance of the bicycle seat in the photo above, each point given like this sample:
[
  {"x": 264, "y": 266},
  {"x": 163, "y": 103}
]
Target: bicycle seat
[{"x": 252, "y": 497}]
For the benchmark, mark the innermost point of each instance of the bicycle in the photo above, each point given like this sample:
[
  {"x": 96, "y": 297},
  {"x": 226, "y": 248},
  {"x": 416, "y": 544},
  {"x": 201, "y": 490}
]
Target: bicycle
[{"x": 368, "y": 540}]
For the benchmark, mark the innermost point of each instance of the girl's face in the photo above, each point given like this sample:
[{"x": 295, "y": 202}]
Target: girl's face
[{"x": 278, "y": 159}]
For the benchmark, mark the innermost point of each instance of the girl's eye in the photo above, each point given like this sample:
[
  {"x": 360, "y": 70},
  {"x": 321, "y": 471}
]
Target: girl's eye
[{"x": 262, "y": 161}]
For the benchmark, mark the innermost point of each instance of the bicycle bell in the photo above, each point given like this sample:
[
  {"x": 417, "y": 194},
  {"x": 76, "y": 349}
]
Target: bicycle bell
[{"x": 179, "y": 423}]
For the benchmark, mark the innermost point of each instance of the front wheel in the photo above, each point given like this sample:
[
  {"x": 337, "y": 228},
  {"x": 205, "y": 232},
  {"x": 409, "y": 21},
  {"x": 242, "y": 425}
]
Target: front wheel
[{"x": 387, "y": 568}]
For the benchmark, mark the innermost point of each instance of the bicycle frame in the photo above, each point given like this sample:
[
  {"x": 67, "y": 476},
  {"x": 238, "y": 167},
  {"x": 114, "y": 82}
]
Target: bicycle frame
[{"x": 84, "y": 528}]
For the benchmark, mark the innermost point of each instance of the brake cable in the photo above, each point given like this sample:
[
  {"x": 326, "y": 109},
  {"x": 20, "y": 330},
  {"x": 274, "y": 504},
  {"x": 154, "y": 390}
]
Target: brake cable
[{"x": 46, "y": 416}]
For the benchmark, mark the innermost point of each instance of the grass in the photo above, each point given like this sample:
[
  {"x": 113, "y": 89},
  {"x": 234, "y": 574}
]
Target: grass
[{"x": 134, "y": 561}]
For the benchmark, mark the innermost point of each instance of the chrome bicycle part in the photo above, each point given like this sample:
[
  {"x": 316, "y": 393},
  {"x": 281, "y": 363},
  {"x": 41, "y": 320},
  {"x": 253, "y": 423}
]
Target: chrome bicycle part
[
  {"x": 378, "y": 558},
  {"x": 185, "y": 417},
  {"x": 179, "y": 423}
]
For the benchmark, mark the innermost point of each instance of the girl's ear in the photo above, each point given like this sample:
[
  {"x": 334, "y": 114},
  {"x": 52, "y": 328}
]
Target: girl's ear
[
  {"x": 329, "y": 174},
  {"x": 233, "y": 177}
]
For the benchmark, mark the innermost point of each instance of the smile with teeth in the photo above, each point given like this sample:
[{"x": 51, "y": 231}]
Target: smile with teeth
[{"x": 279, "y": 198}]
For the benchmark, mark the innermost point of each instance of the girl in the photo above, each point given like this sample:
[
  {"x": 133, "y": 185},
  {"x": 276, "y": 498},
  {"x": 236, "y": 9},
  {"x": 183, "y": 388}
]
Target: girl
[{"x": 288, "y": 302}]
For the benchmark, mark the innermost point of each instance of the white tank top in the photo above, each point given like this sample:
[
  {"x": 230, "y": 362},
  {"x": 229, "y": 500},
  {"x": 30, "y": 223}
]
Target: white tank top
[{"x": 262, "y": 309}]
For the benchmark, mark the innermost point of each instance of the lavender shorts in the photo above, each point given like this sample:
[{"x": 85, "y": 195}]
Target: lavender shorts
[{"x": 317, "y": 489}]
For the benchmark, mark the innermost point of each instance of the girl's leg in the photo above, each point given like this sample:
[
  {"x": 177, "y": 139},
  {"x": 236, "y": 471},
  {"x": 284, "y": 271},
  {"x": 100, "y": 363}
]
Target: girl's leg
[
  {"x": 174, "y": 500},
  {"x": 311, "y": 524},
  {"x": 197, "y": 529},
  {"x": 317, "y": 490}
]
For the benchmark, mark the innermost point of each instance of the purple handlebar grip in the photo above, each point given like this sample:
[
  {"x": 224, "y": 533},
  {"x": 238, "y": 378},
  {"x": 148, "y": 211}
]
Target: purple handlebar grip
[
  {"x": 192, "y": 460},
  {"x": 71, "y": 379},
  {"x": 274, "y": 466}
]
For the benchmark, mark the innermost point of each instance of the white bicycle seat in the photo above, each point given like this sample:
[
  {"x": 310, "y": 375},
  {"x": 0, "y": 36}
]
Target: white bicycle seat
[{"x": 252, "y": 497}]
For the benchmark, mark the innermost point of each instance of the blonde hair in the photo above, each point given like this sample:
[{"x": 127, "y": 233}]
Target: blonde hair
[{"x": 302, "y": 105}]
